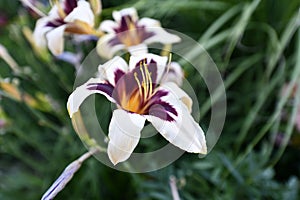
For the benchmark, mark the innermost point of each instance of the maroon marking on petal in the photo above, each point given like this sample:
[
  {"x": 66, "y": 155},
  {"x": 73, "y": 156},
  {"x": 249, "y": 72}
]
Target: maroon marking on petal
[
  {"x": 104, "y": 87},
  {"x": 157, "y": 97},
  {"x": 69, "y": 5},
  {"x": 159, "y": 108},
  {"x": 124, "y": 25},
  {"x": 168, "y": 107},
  {"x": 55, "y": 23},
  {"x": 152, "y": 67},
  {"x": 162, "y": 110},
  {"x": 126, "y": 83},
  {"x": 118, "y": 74}
]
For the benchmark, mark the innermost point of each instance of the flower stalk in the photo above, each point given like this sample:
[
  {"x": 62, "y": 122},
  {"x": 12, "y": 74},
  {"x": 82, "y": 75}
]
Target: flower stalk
[{"x": 67, "y": 175}]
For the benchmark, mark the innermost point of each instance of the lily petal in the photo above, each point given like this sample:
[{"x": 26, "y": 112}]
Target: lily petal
[
  {"x": 148, "y": 22},
  {"x": 174, "y": 73},
  {"x": 92, "y": 86},
  {"x": 183, "y": 131},
  {"x": 39, "y": 32},
  {"x": 161, "y": 36},
  {"x": 136, "y": 50},
  {"x": 111, "y": 69},
  {"x": 107, "y": 50},
  {"x": 124, "y": 135},
  {"x": 161, "y": 62},
  {"x": 179, "y": 93},
  {"x": 82, "y": 12},
  {"x": 55, "y": 40},
  {"x": 117, "y": 15},
  {"x": 108, "y": 26}
]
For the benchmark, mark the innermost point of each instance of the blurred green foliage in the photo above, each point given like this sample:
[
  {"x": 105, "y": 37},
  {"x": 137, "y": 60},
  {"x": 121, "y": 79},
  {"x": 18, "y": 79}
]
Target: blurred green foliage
[{"x": 255, "y": 44}]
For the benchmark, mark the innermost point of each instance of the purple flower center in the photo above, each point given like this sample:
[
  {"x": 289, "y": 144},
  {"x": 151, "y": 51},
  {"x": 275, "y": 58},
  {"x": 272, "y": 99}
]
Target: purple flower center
[{"x": 137, "y": 91}]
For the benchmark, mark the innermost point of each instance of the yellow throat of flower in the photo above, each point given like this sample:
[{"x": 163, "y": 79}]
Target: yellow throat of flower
[{"x": 139, "y": 97}]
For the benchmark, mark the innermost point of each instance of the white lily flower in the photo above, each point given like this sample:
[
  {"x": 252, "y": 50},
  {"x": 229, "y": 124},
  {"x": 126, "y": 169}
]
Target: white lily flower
[
  {"x": 131, "y": 33},
  {"x": 67, "y": 16},
  {"x": 139, "y": 94}
]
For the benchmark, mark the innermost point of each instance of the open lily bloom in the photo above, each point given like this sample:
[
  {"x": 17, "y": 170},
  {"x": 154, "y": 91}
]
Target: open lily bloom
[
  {"x": 131, "y": 33},
  {"x": 139, "y": 97},
  {"x": 66, "y": 16}
]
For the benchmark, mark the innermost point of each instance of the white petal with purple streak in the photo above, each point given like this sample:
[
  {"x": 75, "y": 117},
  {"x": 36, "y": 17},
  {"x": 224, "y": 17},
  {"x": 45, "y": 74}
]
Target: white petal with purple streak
[
  {"x": 179, "y": 94},
  {"x": 107, "y": 50},
  {"x": 82, "y": 92},
  {"x": 108, "y": 26},
  {"x": 39, "y": 32},
  {"x": 82, "y": 12},
  {"x": 183, "y": 131},
  {"x": 117, "y": 15},
  {"x": 55, "y": 40},
  {"x": 108, "y": 70}
]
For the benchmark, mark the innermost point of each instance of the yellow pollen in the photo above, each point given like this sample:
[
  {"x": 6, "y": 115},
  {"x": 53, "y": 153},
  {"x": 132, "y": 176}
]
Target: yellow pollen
[{"x": 145, "y": 85}]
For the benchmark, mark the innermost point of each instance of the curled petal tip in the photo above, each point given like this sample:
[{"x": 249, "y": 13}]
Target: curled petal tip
[
  {"x": 113, "y": 161},
  {"x": 71, "y": 113},
  {"x": 204, "y": 150}
]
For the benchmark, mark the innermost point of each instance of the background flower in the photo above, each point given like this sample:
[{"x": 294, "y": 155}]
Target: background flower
[
  {"x": 131, "y": 33},
  {"x": 67, "y": 16}
]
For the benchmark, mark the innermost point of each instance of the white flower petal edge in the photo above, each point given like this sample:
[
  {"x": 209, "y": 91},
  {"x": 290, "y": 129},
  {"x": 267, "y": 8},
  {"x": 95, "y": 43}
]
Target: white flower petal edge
[
  {"x": 136, "y": 50},
  {"x": 107, "y": 70},
  {"x": 148, "y": 22},
  {"x": 81, "y": 93},
  {"x": 104, "y": 49},
  {"x": 183, "y": 132},
  {"x": 82, "y": 12},
  {"x": 161, "y": 62},
  {"x": 108, "y": 26},
  {"x": 55, "y": 40},
  {"x": 40, "y": 31},
  {"x": 117, "y": 15},
  {"x": 162, "y": 36},
  {"x": 124, "y": 135}
]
